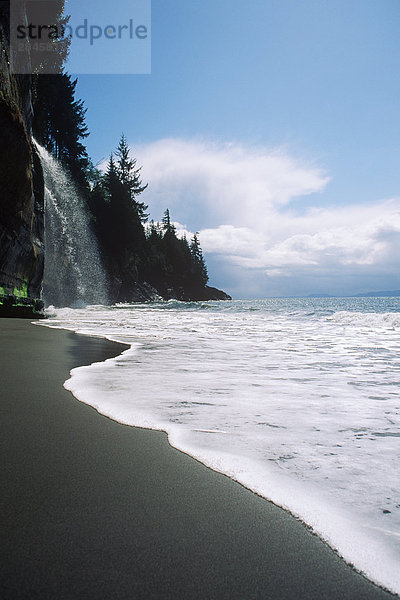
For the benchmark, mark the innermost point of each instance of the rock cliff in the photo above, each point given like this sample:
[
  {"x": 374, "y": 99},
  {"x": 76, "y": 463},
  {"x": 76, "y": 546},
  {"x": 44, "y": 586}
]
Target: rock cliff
[{"x": 21, "y": 182}]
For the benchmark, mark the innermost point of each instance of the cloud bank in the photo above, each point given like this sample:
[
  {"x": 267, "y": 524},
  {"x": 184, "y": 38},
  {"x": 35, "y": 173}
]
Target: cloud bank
[{"x": 249, "y": 206}]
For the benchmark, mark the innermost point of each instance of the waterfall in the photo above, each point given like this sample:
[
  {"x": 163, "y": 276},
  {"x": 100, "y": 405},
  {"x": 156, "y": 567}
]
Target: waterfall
[{"x": 73, "y": 271}]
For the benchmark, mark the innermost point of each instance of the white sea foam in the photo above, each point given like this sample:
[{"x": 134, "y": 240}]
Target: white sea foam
[
  {"x": 296, "y": 399},
  {"x": 362, "y": 319}
]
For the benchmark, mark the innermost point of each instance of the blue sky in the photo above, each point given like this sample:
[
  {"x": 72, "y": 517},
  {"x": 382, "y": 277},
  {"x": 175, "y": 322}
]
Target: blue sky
[{"x": 272, "y": 127}]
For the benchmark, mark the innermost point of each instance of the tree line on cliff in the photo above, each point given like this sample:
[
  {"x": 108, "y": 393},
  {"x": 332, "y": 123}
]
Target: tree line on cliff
[{"x": 133, "y": 250}]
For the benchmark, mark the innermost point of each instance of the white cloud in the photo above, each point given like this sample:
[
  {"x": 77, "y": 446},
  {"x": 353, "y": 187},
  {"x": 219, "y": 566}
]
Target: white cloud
[
  {"x": 249, "y": 206},
  {"x": 234, "y": 241},
  {"x": 228, "y": 181}
]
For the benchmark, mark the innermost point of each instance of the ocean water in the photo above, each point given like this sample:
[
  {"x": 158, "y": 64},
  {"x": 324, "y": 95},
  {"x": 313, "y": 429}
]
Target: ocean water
[{"x": 297, "y": 399}]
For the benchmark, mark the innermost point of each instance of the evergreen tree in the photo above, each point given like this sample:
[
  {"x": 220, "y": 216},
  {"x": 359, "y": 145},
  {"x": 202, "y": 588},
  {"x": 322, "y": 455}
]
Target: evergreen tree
[
  {"x": 58, "y": 118},
  {"x": 59, "y": 122},
  {"x": 155, "y": 268},
  {"x": 130, "y": 177},
  {"x": 167, "y": 225},
  {"x": 199, "y": 269},
  {"x": 54, "y": 38},
  {"x": 127, "y": 226},
  {"x": 111, "y": 179},
  {"x": 166, "y": 220}
]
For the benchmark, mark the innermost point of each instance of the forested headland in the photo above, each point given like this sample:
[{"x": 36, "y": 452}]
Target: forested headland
[
  {"x": 134, "y": 250},
  {"x": 142, "y": 259}
]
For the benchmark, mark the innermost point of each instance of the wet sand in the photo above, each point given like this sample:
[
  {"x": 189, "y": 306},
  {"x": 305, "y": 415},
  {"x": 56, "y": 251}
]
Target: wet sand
[{"x": 91, "y": 509}]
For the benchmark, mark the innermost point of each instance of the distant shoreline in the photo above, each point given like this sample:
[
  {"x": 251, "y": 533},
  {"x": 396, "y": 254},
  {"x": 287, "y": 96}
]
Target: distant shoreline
[
  {"x": 381, "y": 294},
  {"x": 393, "y": 294}
]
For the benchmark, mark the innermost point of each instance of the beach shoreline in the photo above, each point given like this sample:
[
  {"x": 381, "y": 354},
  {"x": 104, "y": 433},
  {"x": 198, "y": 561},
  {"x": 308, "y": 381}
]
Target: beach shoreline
[{"x": 95, "y": 509}]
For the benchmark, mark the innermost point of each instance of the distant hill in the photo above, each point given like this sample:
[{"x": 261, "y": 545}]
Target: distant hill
[
  {"x": 386, "y": 293},
  {"x": 381, "y": 294},
  {"x": 320, "y": 296}
]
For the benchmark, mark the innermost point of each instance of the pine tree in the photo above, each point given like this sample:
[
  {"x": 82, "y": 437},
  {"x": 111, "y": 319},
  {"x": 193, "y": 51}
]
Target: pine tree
[
  {"x": 59, "y": 122},
  {"x": 131, "y": 178},
  {"x": 56, "y": 42},
  {"x": 111, "y": 179},
  {"x": 166, "y": 220},
  {"x": 167, "y": 225},
  {"x": 199, "y": 269}
]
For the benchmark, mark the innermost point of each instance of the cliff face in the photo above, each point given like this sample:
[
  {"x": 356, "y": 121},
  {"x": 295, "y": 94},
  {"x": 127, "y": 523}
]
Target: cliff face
[{"x": 21, "y": 182}]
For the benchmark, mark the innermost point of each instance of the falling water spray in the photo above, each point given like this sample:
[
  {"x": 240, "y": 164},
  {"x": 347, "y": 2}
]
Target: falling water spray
[{"x": 73, "y": 272}]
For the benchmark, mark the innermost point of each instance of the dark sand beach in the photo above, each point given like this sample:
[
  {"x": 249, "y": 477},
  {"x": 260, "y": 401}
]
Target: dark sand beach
[{"x": 91, "y": 509}]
